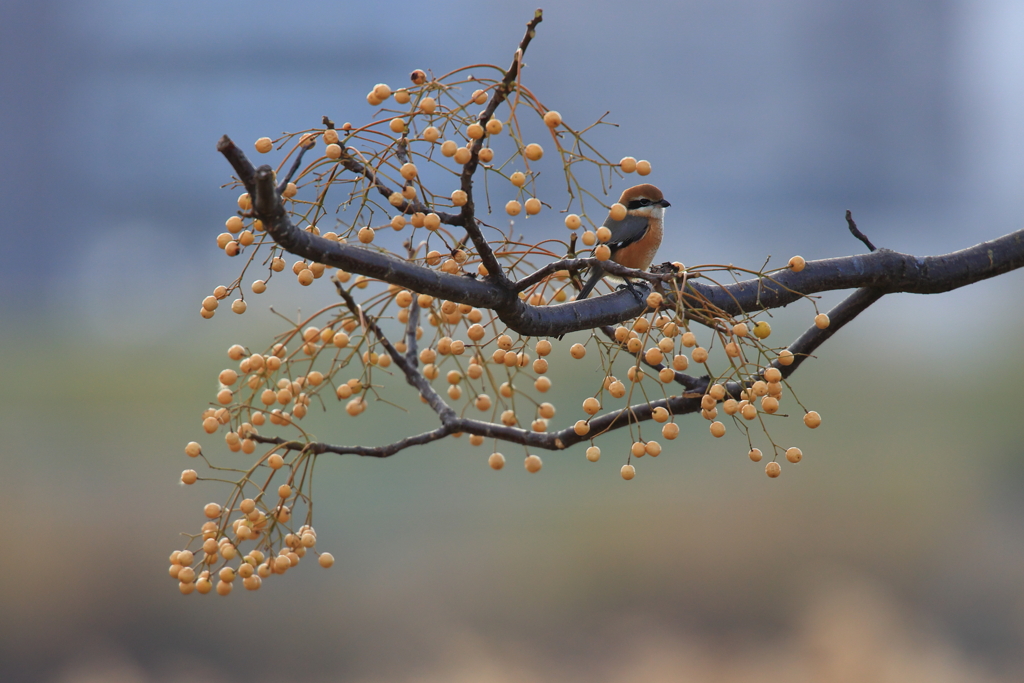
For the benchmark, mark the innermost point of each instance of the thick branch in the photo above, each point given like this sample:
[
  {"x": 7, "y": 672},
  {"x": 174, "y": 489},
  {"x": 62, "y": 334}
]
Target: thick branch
[{"x": 885, "y": 270}]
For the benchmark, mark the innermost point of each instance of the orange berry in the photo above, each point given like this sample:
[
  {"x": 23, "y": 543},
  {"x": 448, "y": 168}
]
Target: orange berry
[
  {"x": 494, "y": 127},
  {"x": 627, "y": 164},
  {"x": 578, "y": 351},
  {"x": 330, "y": 136},
  {"x": 513, "y": 208},
  {"x": 463, "y": 155},
  {"x": 797, "y": 263},
  {"x": 700, "y": 355},
  {"x": 449, "y": 147},
  {"x": 591, "y": 406},
  {"x": 581, "y": 428},
  {"x": 496, "y": 461},
  {"x": 533, "y": 464},
  {"x": 326, "y": 560},
  {"x": 627, "y": 472},
  {"x": 755, "y": 454},
  {"x": 408, "y": 171},
  {"x": 332, "y": 151},
  {"x": 617, "y": 212},
  {"x": 381, "y": 91},
  {"x": 486, "y": 155},
  {"x": 786, "y": 357},
  {"x": 770, "y": 404},
  {"x": 264, "y": 145},
  {"x": 794, "y": 455},
  {"x": 474, "y": 131},
  {"x": 533, "y": 206},
  {"x": 589, "y": 238},
  {"x": 533, "y": 151},
  {"x": 773, "y": 469},
  {"x": 602, "y": 252},
  {"x": 653, "y": 449},
  {"x": 821, "y": 321},
  {"x": 572, "y": 221},
  {"x": 552, "y": 119},
  {"x": 812, "y": 419},
  {"x": 670, "y": 431},
  {"x": 397, "y": 125},
  {"x": 643, "y": 167},
  {"x": 212, "y": 510},
  {"x": 717, "y": 429}
]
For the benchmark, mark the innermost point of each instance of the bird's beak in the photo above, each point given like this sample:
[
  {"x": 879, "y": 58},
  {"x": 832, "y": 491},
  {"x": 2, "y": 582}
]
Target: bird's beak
[{"x": 664, "y": 202}]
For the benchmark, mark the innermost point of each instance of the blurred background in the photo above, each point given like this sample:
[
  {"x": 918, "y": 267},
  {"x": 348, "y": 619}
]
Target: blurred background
[{"x": 895, "y": 551}]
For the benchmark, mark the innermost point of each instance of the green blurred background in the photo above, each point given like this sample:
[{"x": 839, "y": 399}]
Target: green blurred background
[{"x": 894, "y": 551}]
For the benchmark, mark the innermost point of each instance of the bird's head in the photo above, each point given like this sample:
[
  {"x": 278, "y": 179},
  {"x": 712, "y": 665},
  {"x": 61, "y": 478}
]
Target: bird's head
[{"x": 644, "y": 200}]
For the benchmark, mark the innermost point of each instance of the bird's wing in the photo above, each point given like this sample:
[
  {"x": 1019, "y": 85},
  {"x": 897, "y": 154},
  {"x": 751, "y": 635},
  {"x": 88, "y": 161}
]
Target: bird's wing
[{"x": 630, "y": 229}]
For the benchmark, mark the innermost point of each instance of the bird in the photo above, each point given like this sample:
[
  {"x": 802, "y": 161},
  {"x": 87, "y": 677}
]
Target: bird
[{"x": 635, "y": 239}]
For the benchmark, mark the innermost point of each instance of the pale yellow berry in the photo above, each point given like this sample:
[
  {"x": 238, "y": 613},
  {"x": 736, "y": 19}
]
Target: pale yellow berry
[
  {"x": 762, "y": 329},
  {"x": 449, "y": 147},
  {"x": 812, "y": 419},
  {"x": 680, "y": 362},
  {"x": 212, "y": 510},
  {"x": 402, "y": 96},
  {"x": 794, "y": 455},
  {"x": 572, "y": 221},
  {"x": 643, "y": 167},
  {"x": 717, "y": 429},
  {"x": 591, "y": 406},
  {"x": 326, "y": 560},
  {"x": 602, "y": 252},
  {"x": 332, "y": 151},
  {"x": 330, "y": 136},
  {"x": 431, "y": 221},
  {"x": 513, "y": 208},
  {"x": 533, "y": 463},
  {"x": 463, "y": 155},
  {"x": 459, "y": 198},
  {"x": 533, "y": 206},
  {"x": 381, "y": 91},
  {"x": 577, "y": 351},
  {"x": 428, "y": 105},
  {"x": 700, "y": 355},
  {"x": 479, "y": 97},
  {"x": 653, "y": 448},
  {"x": 670, "y": 431},
  {"x": 627, "y": 164},
  {"x": 589, "y": 238},
  {"x": 474, "y": 131},
  {"x": 797, "y": 263},
  {"x": 755, "y": 454},
  {"x": 264, "y": 145},
  {"x": 581, "y": 428},
  {"x": 494, "y": 127},
  {"x": 432, "y": 134},
  {"x": 486, "y": 155},
  {"x": 617, "y": 212},
  {"x": 496, "y": 461},
  {"x": 821, "y": 321},
  {"x": 552, "y": 119},
  {"x": 408, "y": 171},
  {"x": 786, "y": 357},
  {"x": 773, "y": 469},
  {"x": 397, "y": 125},
  {"x": 306, "y": 277},
  {"x": 533, "y": 151},
  {"x": 627, "y": 472},
  {"x": 748, "y": 411},
  {"x": 603, "y": 234}
]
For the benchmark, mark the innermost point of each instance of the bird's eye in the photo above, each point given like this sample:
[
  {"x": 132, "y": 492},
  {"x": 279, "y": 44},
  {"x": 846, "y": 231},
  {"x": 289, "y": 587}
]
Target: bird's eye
[{"x": 644, "y": 201}]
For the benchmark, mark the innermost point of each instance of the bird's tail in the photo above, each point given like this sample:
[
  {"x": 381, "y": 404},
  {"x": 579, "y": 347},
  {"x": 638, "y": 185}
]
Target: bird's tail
[{"x": 595, "y": 277}]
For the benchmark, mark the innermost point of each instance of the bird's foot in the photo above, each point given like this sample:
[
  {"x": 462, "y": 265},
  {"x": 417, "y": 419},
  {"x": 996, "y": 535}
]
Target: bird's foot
[{"x": 641, "y": 297}]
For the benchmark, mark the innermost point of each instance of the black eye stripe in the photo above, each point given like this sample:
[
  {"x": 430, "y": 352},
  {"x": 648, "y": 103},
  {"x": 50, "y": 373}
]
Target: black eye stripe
[{"x": 637, "y": 203}]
